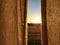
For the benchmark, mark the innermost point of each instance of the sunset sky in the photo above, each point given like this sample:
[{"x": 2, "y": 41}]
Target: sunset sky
[{"x": 34, "y": 11}]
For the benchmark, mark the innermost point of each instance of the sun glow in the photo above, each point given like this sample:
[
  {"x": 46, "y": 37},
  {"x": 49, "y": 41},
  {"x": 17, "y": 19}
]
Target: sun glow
[
  {"x": 34, "y": 18},
  {"x": 37, "y": 20}
]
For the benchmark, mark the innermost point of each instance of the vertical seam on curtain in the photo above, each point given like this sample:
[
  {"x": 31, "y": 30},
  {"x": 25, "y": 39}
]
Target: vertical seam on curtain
[
  {"x": 21, "y": 18},
  {"x": 21, "y": 10},
  {"x": 16, "y": 16}
]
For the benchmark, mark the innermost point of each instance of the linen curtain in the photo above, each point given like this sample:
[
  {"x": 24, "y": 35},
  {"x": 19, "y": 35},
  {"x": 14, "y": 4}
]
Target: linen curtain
[
  {"x": 12, "y": 22},
  {"x": 53, "y": 21}
]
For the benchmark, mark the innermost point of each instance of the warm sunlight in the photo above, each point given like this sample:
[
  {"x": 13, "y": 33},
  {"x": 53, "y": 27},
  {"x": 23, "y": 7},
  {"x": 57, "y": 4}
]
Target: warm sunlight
[
  {"x": 34, "y": 19},
  {"x": 37, "y": 20}
]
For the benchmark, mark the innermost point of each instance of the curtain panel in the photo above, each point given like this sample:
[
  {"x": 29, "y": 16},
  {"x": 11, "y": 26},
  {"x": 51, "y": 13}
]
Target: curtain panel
[
  {"x": 53, "y": 21},
  {"x": 12, "y": 22}
]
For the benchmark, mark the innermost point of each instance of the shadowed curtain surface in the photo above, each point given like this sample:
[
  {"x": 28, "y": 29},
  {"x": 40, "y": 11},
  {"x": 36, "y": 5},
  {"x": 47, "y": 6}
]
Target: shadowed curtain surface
[{"x": 11, "y": 22}]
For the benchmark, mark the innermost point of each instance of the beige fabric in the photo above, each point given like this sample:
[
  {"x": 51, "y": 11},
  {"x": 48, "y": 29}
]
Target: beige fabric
[
  {"x": 53, "y": 21},
  {"x": 11, "y": 22}
]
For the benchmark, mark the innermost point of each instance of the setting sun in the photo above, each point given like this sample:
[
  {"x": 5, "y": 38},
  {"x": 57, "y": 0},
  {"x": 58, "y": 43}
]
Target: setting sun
[{"x": 36, "y": 20}]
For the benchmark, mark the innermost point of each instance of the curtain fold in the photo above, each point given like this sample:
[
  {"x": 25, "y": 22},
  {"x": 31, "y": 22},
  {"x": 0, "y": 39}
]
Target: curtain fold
[
  {"x": 21, "y": 22},
  {"x": 11, "y": 22}
]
